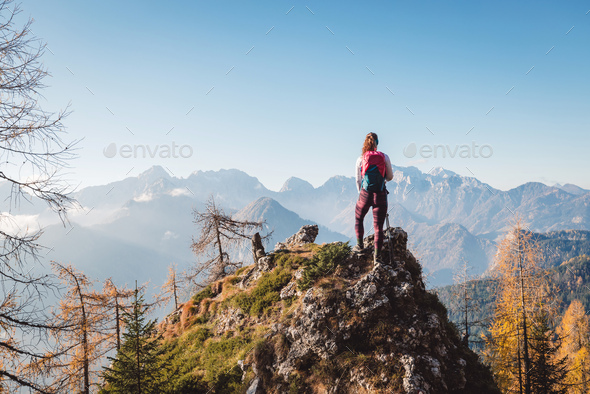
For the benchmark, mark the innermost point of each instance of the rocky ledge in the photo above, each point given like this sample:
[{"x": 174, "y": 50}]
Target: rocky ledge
[{"x": 335, "y": 322}]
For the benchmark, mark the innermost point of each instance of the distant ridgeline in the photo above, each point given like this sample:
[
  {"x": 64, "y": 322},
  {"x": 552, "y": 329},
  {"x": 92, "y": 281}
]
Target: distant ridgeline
[
  {"x": 560, "y": 246},
  {"x": 567, "y": 257}
]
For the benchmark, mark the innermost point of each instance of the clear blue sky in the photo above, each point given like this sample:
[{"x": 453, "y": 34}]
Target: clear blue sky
[{"x": 309, "y": 80}]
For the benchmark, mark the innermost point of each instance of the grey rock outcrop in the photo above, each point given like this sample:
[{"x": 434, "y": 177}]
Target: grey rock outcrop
[
  {"x": 381, "y": 314},
  {"x": 322, "y": 319},
  {"x": 306, "y": 235}
]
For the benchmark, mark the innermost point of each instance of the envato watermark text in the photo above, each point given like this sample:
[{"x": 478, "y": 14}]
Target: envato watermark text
[
  {"x": 427, "y": 151},
  {"x": 152, "y": 151}
]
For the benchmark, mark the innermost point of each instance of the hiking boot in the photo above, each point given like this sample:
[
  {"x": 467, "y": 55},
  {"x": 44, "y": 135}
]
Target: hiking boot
[
  {"x": 359, "y": 247},
  {"x": 377, "y": 258}
]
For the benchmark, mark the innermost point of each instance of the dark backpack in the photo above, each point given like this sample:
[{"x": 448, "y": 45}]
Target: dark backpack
[{"x": 373, "y": 171}]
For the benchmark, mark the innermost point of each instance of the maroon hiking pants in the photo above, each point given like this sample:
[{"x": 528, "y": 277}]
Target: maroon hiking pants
[{"x": 377, "y": 200}]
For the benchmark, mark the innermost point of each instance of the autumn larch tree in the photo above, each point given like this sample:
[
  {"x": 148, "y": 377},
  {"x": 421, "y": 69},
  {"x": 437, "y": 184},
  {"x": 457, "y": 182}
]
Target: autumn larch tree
[
  {"x": 86, "y": 342},
  {"x": 219, "y": 233},
  {"x": 172, "y": 288},
  {"x": 574, "y": 331},
  {"x": 32, "y": 153},
  {"x": 522, "y": 292},
  {"x": 463, "y": 293}
]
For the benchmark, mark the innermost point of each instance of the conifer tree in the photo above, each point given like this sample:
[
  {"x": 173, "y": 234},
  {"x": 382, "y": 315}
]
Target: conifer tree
[
  {"x": 548, "y": 371},
  {"x": 117, "y": 300},
  {"x": 139, "y": 366},
  {"x": 575, "y": 331}
]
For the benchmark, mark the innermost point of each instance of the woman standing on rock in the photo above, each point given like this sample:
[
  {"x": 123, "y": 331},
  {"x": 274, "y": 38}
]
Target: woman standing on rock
[{"x": 373, "y": 169}]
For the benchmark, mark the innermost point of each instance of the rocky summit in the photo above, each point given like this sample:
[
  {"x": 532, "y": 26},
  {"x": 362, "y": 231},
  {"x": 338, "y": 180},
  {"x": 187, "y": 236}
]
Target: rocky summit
[{"x": 310, "y": 318}]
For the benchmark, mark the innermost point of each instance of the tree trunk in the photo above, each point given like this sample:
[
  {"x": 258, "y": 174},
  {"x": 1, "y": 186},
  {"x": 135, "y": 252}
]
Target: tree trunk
[
  {"x": 85, "y": 356},
  {"x": 527, "y": 361},
  {"x": 221, "y": 262},
  {"x": 466, "y": 300},
  {"x": 174, "y": 289},
  {"x": 137, "y": 351},
  {"x": 257, "y": 247},
  {"x": 118, "y": 324},
  {"x": 519, "y": 360}
]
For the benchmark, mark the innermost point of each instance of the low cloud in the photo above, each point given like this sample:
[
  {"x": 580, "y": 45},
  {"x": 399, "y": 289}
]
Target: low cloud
[
  {"x": 179, "y": 192},
  {"x": 19, "y": 224},
  {"x": 170, "y": 235},
  {"x": 144, "y": 197}
]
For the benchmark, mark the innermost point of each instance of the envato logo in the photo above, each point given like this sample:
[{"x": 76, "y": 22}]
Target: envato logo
[
  {"x": 142, "y": 151},
  {"x": 428, "y": 151}
]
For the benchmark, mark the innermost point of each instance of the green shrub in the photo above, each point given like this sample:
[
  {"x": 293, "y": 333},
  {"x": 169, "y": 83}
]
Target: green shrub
[
  {"x": 229, "y": 382},
  {"x": 202, "y": 319},
  {"x": 268, "y": 287},
  {"x": 218, "y": 358},
  {"x": 263, "y": 302},
  {"x": 296, "y": 384},
  {"x": 431, "y": 302},
  {"x": 224, "y": 353},
  {"x": 201, "y": 295},
  {"x": 325, "y": 261},
  {"x": 198, "y": 336},
  {"x": 287, "y": 302},
  {"x": 241, "y": 270},
  {"x": 202, "y": 362},
  {"x": 288, "y": 261},
  {"x": 188, "y": 383},
  {"x": 265, "y": 294}
]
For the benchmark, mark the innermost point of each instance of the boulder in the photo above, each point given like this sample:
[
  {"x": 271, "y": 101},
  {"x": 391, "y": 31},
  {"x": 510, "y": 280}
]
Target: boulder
[{"x": 306, "y": 235}]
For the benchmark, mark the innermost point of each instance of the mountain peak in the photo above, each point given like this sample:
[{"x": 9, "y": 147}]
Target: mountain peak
[
  {"x": 228, "y": 176},
  {"x": 154, "y": 173},
  {"x": 303, "y": 320},
  {"x": 530, "y": 187},
  {"x": 266, "y": 208},
  {"x": 262, "y": 203},
  {"x": 338, "y": 181},
  {"x": 295, "y": 184},
  {"x": 440, "y": 171},
  {"x": 572, "y": 189}
]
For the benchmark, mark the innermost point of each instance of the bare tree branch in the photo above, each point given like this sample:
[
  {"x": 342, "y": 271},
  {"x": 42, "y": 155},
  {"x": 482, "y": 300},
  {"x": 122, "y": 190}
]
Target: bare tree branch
[
  {"x": 219, "y": 233},
  {"x": 33, "y": 154}
]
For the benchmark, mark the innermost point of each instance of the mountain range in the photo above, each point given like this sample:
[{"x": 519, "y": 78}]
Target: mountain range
[{"x": 134, "y": 228}]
